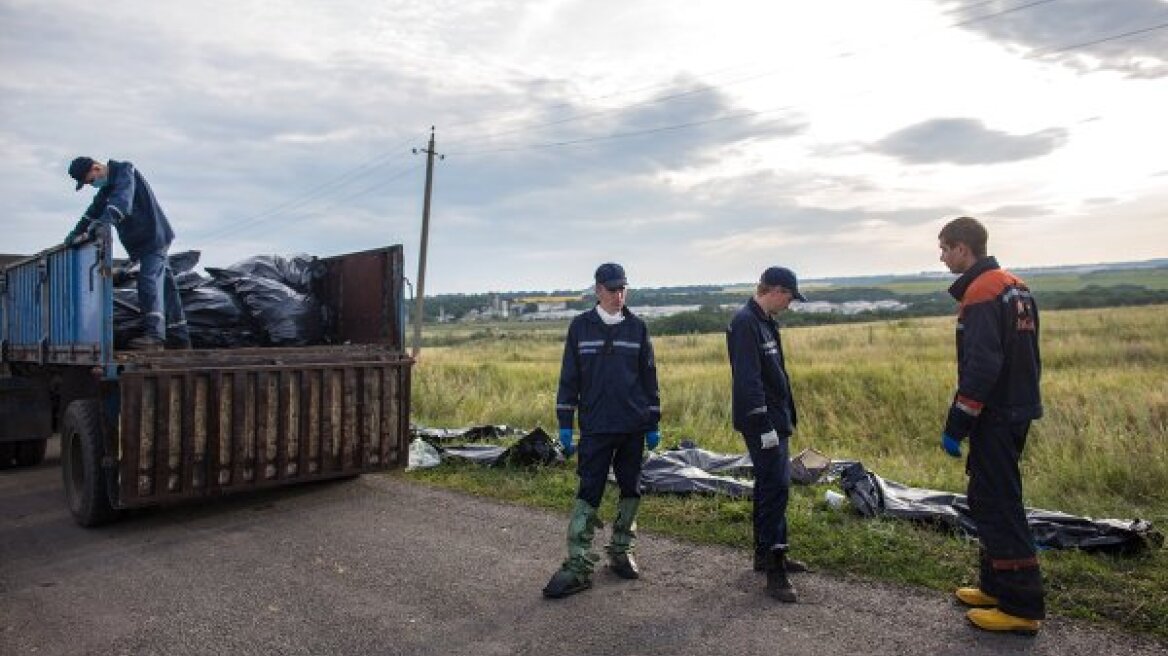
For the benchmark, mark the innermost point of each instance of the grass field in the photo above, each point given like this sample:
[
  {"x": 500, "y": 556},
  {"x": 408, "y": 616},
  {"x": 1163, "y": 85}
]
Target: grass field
[
  {"x": 878, "y": 393},
  {"x": 1155, "y": 279}
]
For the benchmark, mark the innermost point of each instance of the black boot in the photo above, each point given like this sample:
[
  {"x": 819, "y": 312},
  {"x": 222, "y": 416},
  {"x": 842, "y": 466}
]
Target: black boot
[
  {"x": 793, "y": 566},
  {"x": 566, "y": 582},
  {"x": 777, "y": 584},
  {"x": 575, "y": 575},
  {"x": 623, "y": 565},
  {"x": 624, "y": 539}
]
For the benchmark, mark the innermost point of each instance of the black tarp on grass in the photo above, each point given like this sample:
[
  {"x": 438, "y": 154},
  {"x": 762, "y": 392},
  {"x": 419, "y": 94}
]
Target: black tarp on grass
[
  {"x": 687, "y": 469},
  {"x": 871, "y": 495}
]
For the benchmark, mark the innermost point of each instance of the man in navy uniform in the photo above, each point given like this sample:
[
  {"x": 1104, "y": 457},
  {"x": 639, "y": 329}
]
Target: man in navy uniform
[
  {"x": 609, "y": 376},
  {"x": 998, "y": 369},
  {"x": 125, "y": 201},
  {"x": 764, "y": 412}
]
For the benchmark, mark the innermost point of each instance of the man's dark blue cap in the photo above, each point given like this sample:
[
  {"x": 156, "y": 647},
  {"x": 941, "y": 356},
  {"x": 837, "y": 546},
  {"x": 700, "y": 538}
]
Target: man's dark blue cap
[
  {"x": 611, "y": 275},
  {"x": 79, "y": 169},
  {"x": 782, "y": 277}
]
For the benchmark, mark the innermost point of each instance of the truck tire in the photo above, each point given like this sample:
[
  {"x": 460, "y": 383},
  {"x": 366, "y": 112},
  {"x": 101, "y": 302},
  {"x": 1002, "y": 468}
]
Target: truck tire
[
  {"x": 86, "y": 489},
  {"x": 30, "y": 452},
  {"x": 7, "y": 454}
]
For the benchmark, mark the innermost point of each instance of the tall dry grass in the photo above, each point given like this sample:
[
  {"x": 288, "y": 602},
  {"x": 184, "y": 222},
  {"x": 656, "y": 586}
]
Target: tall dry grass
[{"x": 878, "y": 393}]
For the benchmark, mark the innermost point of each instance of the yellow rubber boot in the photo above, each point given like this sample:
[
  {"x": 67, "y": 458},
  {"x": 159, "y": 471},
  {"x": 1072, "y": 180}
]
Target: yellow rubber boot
[
  {"x": 992, "y": 619},
  {"x": 976, "y": 598}
]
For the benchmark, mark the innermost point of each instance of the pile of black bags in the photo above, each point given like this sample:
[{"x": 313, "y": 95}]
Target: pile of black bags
[{"x": 265, "y": 300}]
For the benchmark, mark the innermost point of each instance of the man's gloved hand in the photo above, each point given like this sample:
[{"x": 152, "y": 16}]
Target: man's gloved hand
[
  {"x": 566, "y": 442},
  {"x": 959, "y": 423},
  {"x": 652, "y": 439},
  {"x": 120, "y": 276},
  {"x": 951, "y": 445},
  {"x": 97, "y": 230},
  {"x": 770, "y": 439}
]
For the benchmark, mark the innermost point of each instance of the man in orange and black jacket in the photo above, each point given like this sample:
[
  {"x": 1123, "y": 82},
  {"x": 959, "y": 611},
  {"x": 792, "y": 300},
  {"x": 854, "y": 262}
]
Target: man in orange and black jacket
[{"x": 998, "y": 370}]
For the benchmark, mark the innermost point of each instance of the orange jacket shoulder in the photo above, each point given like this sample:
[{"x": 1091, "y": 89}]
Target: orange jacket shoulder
[{"x": 989, "y": 286}]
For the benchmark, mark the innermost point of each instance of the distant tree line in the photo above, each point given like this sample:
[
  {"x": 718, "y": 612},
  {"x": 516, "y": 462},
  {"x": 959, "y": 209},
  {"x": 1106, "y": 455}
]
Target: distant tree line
[{"x": 712, "y": 318}]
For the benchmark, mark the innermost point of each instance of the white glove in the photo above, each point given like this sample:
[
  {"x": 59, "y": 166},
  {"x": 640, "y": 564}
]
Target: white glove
[{"x": 770, "y": 439}]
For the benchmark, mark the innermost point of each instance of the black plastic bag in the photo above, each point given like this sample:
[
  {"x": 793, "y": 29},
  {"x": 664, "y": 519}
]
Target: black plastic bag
[
  {"x": 127, "y": 317},
  {"x": 183, "y": 262},
  {"x": 672, "y": 473},
  {"x": 298, "y": 272},
  {"x": 190, "y": 280},
  {"x": 285, "y": 317},
  {"x": 862, "y": 490},
  {"x": 534, "y": 449},
  {"x": 125, "y": 272},
  {"x": 872, "y": 495},
  {"x": 216, "y": 320},
  {"x": 436, "y": 436}
]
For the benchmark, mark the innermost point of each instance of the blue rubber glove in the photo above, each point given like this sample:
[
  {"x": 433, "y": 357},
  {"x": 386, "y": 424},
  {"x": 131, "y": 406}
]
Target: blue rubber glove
[
  {"x": 959, "y": 422},
  {"x": 566, "y": 441},
  {"x": 652, "y": 439},
  {"x": 951, "y": 445}
]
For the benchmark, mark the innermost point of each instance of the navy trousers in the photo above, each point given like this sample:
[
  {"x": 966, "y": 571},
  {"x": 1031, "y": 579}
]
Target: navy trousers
[
  {"x": 772, "y": 489},
  {"x": 622, "y": 452},
  {"x": 159, "y": 301},
  {"x": 1008, "y": 562}
]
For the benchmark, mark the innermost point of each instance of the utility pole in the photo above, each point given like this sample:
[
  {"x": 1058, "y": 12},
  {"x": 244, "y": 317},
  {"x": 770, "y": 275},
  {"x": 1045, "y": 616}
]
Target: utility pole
[{"x": 421, "y": 298}]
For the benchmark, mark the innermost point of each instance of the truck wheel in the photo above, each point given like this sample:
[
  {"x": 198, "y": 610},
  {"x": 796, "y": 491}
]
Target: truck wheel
[
  {"x": 7, "y": 454},
  {"x": 81, "y": 453},
  {"x": 30, "y": 452}
]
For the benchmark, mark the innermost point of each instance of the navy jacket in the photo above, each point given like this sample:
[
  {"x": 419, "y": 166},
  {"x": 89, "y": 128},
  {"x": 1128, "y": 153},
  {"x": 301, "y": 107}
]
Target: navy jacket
[
  {"x": 761, "y": 397},
  {"x": 998, "y": 362},
  {"x": 609, "y": 375},
  {"x": 127, "y": 203}
]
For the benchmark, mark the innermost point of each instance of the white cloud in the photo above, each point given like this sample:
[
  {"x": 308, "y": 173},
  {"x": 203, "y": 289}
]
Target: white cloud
[{"x": 288, "y": 127}]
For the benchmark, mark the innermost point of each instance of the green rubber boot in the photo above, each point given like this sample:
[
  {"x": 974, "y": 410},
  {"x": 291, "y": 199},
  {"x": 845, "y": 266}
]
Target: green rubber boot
[
  {"x": 624, "y": 539},
  {"x": 575, "y": 574}
]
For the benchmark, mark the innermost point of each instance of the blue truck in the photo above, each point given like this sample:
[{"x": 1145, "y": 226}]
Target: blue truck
[{"x": 153, "y": 428}]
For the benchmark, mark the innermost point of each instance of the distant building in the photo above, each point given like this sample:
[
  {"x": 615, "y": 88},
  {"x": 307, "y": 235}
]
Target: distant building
[{"x": 848, "y": 307}]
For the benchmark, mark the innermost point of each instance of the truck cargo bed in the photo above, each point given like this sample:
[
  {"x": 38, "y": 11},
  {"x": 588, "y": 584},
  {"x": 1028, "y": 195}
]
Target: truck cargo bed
[{"x": 200, "y": 423}]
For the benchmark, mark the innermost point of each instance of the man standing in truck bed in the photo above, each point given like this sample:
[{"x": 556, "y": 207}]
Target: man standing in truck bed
[{"x": 125, "y": 201}]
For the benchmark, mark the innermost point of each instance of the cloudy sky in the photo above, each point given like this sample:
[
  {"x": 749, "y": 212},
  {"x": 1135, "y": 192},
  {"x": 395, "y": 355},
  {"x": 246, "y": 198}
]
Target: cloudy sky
[{"x": 695, "y": 142}]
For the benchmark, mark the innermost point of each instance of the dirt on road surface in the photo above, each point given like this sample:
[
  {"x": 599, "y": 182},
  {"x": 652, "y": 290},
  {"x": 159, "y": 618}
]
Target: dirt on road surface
[{"x": 381, "y": 565}]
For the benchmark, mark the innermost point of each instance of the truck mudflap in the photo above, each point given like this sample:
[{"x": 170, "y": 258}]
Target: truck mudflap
[{"x": 212, "y": 427}]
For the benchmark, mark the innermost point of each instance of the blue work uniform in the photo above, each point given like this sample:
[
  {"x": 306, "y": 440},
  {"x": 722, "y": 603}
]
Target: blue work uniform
[
  {"x": 609, "y": 380},
  {"x": 761, "y": 401},
  {"x": 127, "y": 203}
]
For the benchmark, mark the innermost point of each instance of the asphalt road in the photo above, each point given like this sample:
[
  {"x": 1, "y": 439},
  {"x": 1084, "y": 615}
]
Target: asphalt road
[{"x": 380, "y": 565}]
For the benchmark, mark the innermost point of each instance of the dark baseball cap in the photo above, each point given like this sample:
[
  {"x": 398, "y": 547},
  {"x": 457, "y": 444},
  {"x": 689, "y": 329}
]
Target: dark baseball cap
[
  {"x": 611, "y": 275},
  {"x": 79, "y": 169},
  {"x": 782, "y": 277}
]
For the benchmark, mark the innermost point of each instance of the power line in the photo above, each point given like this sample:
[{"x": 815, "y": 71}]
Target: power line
[
  {"x": 1113, "y": 37},
  {"x": 365, "y": 168},
  {"x": 750, "y": 78},
  {"x": 1011, "y": 10},
  {"x": 316, "y": 192},
  {"x": 219, "y": 235},
  {"x": 625, "y": 135},
  {"x": 679, "y": 126},
  {"x": 708, "y": 88}
]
